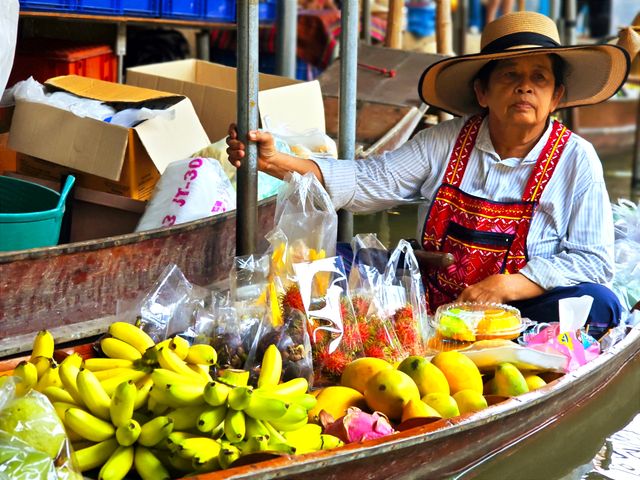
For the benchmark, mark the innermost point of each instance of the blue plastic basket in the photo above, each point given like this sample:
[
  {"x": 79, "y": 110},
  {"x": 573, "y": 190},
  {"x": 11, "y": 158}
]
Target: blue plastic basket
[
  {"x": 221, "y": 10},
  {"x": 103, "y": 7},
  {"x": 182, "y": 9},
  {"x": 141, "y": 8},
  {"x": 267, "y": 10},
  {"x": 57, "y": 5}
]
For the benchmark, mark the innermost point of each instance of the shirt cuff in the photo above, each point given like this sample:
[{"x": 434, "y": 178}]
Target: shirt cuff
[
  {"x": 545, "y": 274},
  {"x": 339, "y": 180}
]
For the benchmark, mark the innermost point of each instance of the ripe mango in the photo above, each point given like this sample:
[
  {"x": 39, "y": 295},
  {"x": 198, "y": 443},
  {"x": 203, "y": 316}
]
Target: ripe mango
[
  {"x": 335, "y": 400},
  {"x": 426, "y": 375},
  {"x": 388, "y": 391},
  {"x": 418, "y": 409},
  {"x": 357, "y": 373},
  {"x": 470, "y": 401},
  {"x": 508, "y": 381},
  {"x": 444, "y": 404},
  {"x": 460, "y": 371},
  {"x": 534, "y": 382}
]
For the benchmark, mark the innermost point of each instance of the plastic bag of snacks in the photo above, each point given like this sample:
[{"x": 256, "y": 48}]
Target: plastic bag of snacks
[
  {"x": 626, "y": 282},
  {"x": 33, "y": 441},
  {"x": 331, "y": 322}
]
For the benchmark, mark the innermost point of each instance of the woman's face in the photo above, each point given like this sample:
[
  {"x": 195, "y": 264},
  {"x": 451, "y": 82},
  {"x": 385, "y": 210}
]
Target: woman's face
[{"x": 521, "y": 91}]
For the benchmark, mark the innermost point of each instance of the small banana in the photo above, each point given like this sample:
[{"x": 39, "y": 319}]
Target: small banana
[
  {"x": 176, "y": 438},
  {"x": 115, "y": 348},
  {"x": 155, "y": 431},
  {"x": 266, "y": 408},
  {"x": 275, "y": 436},
  {"x": 168, "y": 360},
  {"x": 296, "y": 386},
  {"x": 43, "y": 345},
  {"x": 69, "y": 376},
  {"x": 330, "y": 441},
  {"x": 204, "y": 447},
  {"x": 28, "y": 374},
  {"x": 110, "y": 384},
  {"x": 160, "y": 396},
  {"x": 97, "y": 364},
  {"x": 240, "y": 397},
  {"x": 216, "y": 393},
  {"x": 155, "y": 407},
  {"x": 202, "y": 370},
  {"x": 295, "y": 417},
  {"x": 211, "y": 418},
  {"x": 186, "y": 418},
  {"x": 227, "y": 455},
  {"x": 255, "y": 427},
  {"x": 96, "y": 455},
  {"x": 234, "y": 377},
  {"x": 50, "y": 377},
  {"x": 255, "y": 443},
  {"x": 202, "y": 354},
  {"x": 87, "y": 425},
  {"x": 62, "y": 407},
  {"x": 305, "y": 400},
  {"x": 42, "y": 364},
  {"x": 118, "y": 465},
  {"x": 143, "y": 387},
  {"x": 306, "y": 439},
  {"x": 184, "y": 394},
  {"x": 271, "y": 367},
  {"x": 134, "y": 336},
  {"x": 234, "y": 426},
  {"x": 57, "y": 394},
  {"x": 93, "y": 394},
  {"x": 103, "y": 375},
  {"x": 122, "y": 403},
  {"x": 128, "y": 433},
  {"x": 148, "y": 466},
  {"x": 180, "y": 347},
  {"x": 163, "y": 377},
  {"x": 180, "y": 464}
]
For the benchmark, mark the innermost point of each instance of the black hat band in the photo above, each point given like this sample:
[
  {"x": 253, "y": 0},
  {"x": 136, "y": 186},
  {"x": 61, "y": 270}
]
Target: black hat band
[{"x": 520, "y": 38}]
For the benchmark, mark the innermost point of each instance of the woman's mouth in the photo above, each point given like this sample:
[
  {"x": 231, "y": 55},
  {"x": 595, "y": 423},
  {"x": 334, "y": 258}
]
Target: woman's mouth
[{"x": 522, "y": 106}]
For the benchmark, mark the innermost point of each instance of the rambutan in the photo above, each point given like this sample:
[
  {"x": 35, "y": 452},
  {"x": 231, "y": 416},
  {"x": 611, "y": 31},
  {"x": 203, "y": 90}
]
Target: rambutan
[{"x": 291, "y": 299}]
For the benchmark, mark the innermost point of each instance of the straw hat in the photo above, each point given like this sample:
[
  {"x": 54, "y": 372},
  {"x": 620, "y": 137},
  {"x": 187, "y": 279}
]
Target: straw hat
[{"x": 592, "y": 72}]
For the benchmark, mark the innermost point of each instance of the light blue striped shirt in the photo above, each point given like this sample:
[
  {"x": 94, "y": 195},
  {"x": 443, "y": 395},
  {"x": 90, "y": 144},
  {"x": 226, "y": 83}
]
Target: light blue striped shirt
[{"x": 571, "y": 236}]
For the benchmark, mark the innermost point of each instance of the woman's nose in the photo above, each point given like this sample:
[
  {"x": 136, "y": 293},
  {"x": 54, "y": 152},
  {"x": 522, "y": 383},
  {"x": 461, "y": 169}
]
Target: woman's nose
[{"x": 524, "y": 87}]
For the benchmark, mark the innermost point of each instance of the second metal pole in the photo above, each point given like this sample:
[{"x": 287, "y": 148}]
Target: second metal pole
[
  {"x": 247, "y": 87},
  {"x": 286, "y": 37}
]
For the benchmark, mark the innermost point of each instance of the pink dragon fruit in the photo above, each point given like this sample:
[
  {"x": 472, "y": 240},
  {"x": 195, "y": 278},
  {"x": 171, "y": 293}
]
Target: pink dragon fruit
[{"x": 357, "y": 426}]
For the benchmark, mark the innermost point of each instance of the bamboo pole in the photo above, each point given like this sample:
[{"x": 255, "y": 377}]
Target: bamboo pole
[
  {"x": 522, "y": 5},
  {"x": 444, "y": 37},
  {"x": 393, "y": 38}
]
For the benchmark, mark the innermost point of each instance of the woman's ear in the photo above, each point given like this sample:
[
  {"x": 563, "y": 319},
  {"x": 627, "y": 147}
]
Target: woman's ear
[
  {"x": 557, "y": 96},
  {"x": 480, "y": 93}
]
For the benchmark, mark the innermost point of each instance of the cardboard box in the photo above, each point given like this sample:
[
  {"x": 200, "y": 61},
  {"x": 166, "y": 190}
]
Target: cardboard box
[
  {"x": 212, "y": 90},
  {"x": 105, "y": 157}
]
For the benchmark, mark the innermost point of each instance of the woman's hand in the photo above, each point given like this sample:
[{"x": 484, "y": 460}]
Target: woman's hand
[
  {"x": 501, "y": 289},
  {"x": 237, "y": 149}
]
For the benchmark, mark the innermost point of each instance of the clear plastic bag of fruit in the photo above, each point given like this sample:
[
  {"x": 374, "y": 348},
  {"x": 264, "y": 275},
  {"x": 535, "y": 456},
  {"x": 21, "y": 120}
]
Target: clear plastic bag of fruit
[
  {"x": 33, "y": 441},
  {"x": 368, "y": 264},
  {"x": 331, "y": 322}
]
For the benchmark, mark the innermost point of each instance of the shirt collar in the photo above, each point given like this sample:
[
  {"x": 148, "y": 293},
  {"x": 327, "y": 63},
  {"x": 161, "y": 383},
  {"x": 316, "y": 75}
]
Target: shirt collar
[{"x": 483, "y": 142}]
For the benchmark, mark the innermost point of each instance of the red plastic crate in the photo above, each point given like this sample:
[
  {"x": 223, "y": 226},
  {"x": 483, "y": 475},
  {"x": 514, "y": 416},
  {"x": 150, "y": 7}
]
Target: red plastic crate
[{"x": 45, "y": 58}]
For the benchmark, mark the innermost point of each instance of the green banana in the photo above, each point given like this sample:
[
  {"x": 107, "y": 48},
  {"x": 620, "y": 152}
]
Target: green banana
[
  {"x": 93, "y": 394},
  {"x": 295, "y": 418},
  {"x": 185, "y": 394},
  {"x": 271, "y": 367},
  {"x": 87, "y": 425},
  {"x": 128, "y": 433},
  {"x": 255, "y": 427},
  {"x": 176, "y": 438},
  {"x": 148, "y": 466},
  {"x": 265, "y": 407},
  {"x": 155, "y": 430},
  {"x": 234, "y": 426},
  {"x": 122, "y": 403},
  {"x": 216, "y": 393},
  {"x": 239, "y": 398},
  {"x": 96, "y": 455},
  {"x": 255, "y": 443},
  {"x": 227, "y": 455},
  {"x": 118, "y": 465},
  {"x": 186, "y": 418},
  {"x": 211, "y": 418},
  {"x": 202, "y": 354}
]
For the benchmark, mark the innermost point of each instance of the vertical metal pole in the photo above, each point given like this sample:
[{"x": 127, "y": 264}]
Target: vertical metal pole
[
  {"x": 121, "y": 48},
  {"x": 203, "y": 37},
  {"x": 247, "y": 85},
  {"x": 348, "y": 92},
  {"x": 570, "y": 14},
  {"x": 366, "y": 21},
  {"x": 286, "y": 37}
]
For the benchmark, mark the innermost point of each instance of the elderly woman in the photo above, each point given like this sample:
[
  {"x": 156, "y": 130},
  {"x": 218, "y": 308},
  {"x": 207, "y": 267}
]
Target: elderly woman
[{"x": 517, "y": 198}]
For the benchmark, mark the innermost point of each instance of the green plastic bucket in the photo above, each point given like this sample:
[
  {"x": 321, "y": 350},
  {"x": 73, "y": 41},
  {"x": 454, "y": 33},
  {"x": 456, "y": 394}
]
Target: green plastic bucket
[{"x": 30, "y": 214}]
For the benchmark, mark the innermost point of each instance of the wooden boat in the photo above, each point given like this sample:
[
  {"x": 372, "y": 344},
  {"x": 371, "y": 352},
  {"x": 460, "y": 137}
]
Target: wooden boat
[
  {"x": 446, "y": 448},
  {"x": 75, "y": 282}
]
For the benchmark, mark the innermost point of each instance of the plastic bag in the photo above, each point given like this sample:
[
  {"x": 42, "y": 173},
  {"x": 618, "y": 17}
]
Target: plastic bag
[
  {"x": 370, "y": 257},
  {"x": 188, "y": 190},
  {"x": 331, "y": 322},
  {"x": 9, "y": 10},
  {"x": 626, "y": 283},
  {"x": 33, "y": 441},
  {"x": 304, "y": 144}
]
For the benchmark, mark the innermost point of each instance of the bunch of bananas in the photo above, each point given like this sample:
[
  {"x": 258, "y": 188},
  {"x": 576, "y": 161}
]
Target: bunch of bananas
[{"x": 156, "y": 408}]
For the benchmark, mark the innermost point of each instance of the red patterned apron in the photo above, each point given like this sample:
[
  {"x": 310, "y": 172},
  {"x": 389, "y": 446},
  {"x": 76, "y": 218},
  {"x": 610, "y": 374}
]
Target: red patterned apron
[{"x": 484, "y": 236}]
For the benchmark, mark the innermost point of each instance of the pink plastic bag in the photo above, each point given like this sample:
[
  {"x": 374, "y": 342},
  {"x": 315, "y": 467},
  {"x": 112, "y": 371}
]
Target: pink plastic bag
[{"x": 577, "y": 346}]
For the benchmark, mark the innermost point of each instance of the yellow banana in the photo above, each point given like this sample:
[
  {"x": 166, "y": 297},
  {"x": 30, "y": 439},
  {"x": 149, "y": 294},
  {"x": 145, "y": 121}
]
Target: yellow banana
[
  {"x": 155, "y": 431},
  {"x": 96, "y": 455},
  {"x": 168, "y": 360},
  {"x": 186, "y": 395},
  {"x": 163, "y": 377},
  {"x": 155, "y": 407},
  {"x": 211, "y": 418},
  {"x": 73, "y": 359},
  {"x": 255, "y": 443},
  {"x": 97, "y": 364},
  {"x": 186, "y": 418},
  {"x": 275, "y": 436},
  {"x": 180, "y": 347},
  {"x": 255, "y": 427},
  {"x": 57, "y": 394},
  {"x": 143, "y": 387},
  {"x": 103, "y": 375},
  {"x": 202, "y": 370},
  {"x": 28, "y": 374},
  {"x": 234, "y": 377},
  {"x": 128, "y": 433},
  {"x": 228, "y": 454},
  {"x": 115, "y": 348},
  {"x": 265, "y": 407},
  {"x": 216, "y": 393},
  {"x": 234, "y": 426},
  {"x": 204, "y": 448},
  {"x": 306, "y": 439},
  {"x": 202, "y": 354},
  {"x": 87, "y": 425},
  {"x": 176, "y": 438},
  {"x": 43, "y": 345},
  {"x": 180, "y": 464},
  {"x": 134, "y": 336},
  {"x": 295, "y": 417},
  {"x": 42, "y": 364},
  {"x": 118, "y": 465},
  {"x": 160, "y": 396},
  {"x": 62, "y": 407},
  {"x": 330, "y": 441},
  {"x": 240, "y": 397},
  {"x": 68, "y": 376},
  {"x": 271, "y": 367},
  {"x": 93, "y": 394},
  {"x": 305, "y": 400},
  {"x": 148, "y": 466},
  {"x": 296, "y": 386},
  {"x": 50, "y": 377},
  {"x": 122, "y": 403},
  {"x": 110, "y": 384}
]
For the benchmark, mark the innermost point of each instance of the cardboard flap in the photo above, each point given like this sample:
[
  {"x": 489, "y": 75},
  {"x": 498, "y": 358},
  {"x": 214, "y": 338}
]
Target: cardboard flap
[
  {"x": 299, "y": 106},
  {"x": 175, "y": 138},
  {"x": 107, "y": 91}
]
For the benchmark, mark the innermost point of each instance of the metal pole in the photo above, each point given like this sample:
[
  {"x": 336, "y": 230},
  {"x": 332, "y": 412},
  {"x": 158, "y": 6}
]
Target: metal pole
[
  {"x": 247, "y": 78},
  {"x": 348, "y": 91},
  {"x": 286, "y": 37},
  {"x": 463, "y": 25},
  {"x": 366, "y": 21},
  {"x": 570, "y": 13}
]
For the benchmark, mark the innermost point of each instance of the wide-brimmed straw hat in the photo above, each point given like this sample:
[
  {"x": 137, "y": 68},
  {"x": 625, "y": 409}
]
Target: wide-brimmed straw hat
[{"x": 593, "y": 73}]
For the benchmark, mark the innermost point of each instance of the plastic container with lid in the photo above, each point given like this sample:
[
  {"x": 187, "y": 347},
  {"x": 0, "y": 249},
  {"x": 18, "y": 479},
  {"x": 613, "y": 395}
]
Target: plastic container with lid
[{"x": 458, "y": 325}]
